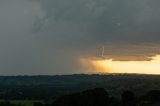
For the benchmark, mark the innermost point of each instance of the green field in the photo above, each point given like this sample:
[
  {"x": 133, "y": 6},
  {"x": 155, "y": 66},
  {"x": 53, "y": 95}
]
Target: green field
[{"x": 22, "y": 102}]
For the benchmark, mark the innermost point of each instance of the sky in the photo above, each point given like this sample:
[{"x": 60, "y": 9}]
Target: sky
[{"x": 54, "y": 36}]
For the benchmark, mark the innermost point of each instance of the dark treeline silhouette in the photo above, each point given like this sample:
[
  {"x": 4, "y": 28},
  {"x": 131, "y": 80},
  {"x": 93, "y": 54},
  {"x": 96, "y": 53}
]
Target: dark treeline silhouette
[
  {"x": 46, "y": 87},
  {"x": 95, "y": 97},
  {"x": 49, "y": 90},
  {"x": 100, "y": 97}
]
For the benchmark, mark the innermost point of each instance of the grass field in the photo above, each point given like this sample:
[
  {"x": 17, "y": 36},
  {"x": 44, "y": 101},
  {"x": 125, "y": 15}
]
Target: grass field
[{"x": 22, "y": 102}]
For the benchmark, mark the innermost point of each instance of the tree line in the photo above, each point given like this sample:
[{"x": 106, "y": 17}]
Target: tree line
[{"x": 99, "y": 97}]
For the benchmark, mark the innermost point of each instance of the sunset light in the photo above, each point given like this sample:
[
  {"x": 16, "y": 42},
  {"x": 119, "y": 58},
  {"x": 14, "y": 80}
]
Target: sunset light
[{"x": 110, "y": 66}]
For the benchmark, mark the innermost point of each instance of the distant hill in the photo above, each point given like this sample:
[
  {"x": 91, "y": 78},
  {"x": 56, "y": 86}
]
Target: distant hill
[{"x": 45, "y": 87}]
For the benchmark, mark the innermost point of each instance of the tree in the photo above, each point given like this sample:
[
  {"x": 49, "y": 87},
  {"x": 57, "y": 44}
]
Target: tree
[
  {"x": 93, "y": 97},
  {"x": 128, "y": 99}
]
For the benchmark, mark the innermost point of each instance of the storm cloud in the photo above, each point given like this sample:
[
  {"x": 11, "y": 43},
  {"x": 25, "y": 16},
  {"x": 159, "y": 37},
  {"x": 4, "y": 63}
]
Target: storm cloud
[{"x": 50, "y": 36}]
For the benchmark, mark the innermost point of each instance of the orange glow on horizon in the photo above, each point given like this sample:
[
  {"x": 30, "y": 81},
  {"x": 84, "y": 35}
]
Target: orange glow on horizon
[{"x": 110, "y": 66}]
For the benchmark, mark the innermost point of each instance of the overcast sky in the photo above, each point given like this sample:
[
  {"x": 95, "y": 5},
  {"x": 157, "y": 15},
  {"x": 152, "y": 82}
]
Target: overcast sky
[{"x": 50, "y": 36}]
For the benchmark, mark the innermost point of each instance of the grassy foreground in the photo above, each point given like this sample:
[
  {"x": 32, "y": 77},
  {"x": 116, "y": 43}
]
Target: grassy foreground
[{"x": 22, "y": 102}]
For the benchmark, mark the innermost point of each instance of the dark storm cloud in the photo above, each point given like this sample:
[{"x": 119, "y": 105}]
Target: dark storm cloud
[
  {"x": 49, "y": 36},
  {"x": 87, "y": 23},
  {"x": 19, "y": 53},
  {"x": 105, "y": 20}
]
